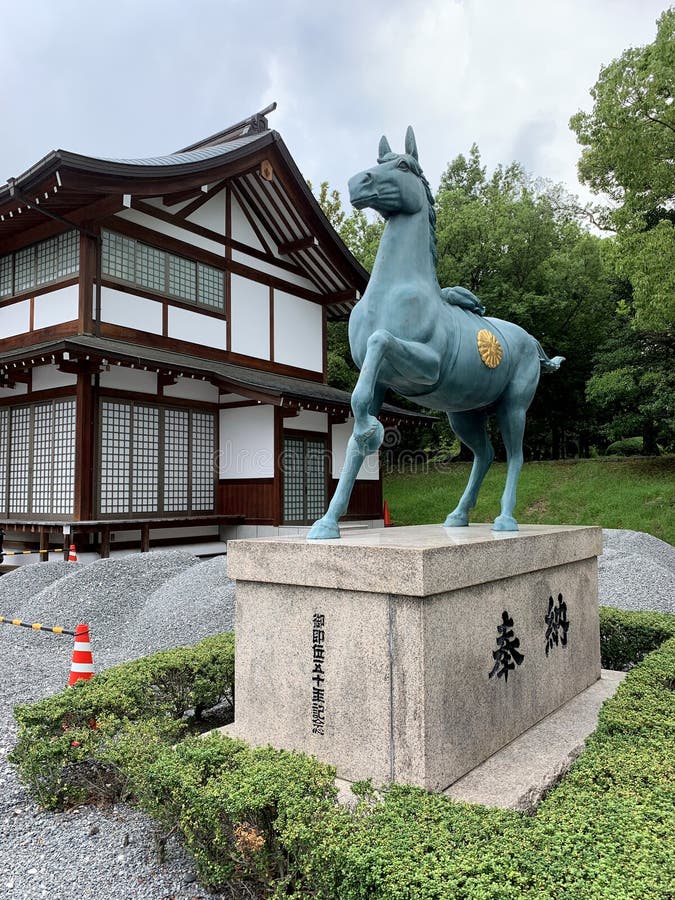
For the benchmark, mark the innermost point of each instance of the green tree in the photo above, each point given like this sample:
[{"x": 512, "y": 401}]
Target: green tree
[
  {"x": 628, "y": 142},
  {"x": 520, "y": 246}
]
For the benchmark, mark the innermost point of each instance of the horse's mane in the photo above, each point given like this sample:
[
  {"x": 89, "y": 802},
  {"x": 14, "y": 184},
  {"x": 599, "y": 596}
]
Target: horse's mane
[{"x": 417, "y": 169}]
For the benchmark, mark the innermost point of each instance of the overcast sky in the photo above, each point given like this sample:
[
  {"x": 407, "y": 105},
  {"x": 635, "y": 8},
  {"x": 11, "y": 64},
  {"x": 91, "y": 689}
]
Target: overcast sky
[{"x": 144, "y": 77}]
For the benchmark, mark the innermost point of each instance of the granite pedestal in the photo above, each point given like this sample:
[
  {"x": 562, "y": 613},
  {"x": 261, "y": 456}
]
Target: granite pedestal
[{"x": 412, "y": 654}]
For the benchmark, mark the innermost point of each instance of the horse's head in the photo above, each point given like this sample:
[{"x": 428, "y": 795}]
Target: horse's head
[{"x": 395, "y": 184}]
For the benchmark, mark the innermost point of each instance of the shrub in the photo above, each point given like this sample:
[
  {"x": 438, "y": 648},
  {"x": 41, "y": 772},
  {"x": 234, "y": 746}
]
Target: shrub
[
  {"x": 232, "y": 804},
  {"x": 628, "y": 447},
  {"x": 627, "y": 637},
  {"x": 79, "y": 744}
]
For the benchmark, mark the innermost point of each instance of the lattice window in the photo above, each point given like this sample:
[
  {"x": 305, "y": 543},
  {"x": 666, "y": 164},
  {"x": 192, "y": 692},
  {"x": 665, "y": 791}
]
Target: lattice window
[
  {"x": 47, "y": 261},
  {"x": 294, "y": 480},
  {"x": 69, "y": 253},
  {"x": 145, "y": 459},
  {"x": 6, "y": 266},
  {"x": 119, "y": 255},
  {"x": 315, "y": 479},
  {"x": 211, "y": 287},
  {"x": 24, "y": 269},
  {"x": 4, "y": 443},
  {"x": 176, "y": 460},
  {"x": 203, "y": 453},
  {"x": 156, "y": 270},
  {"x": 115, "y": 450},
  {"x": 182, "y": 278},
  {"x": 150, "y": 267},
  {"x": 63, "y": 461},
  {"x": 43, "y": 434},
  {"x": 19, "y": 468},
  {"x": 304, "y": 468}
]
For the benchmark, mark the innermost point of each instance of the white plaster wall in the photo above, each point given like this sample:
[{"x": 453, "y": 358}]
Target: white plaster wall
[
  {"x": 370, "y": 469},
  {"x": 56, "y": 307},
  {"x": 192, "y": 389},
  {"x": 298, "y": 332},
  {"x": 250, "y": 317},
  {"x": 241, "y": 228},
  {"x": 14, "y": 319},
  {"x": 157, "y": 201},
  {"x": 186, "y": 325},
  {"x": 211, "y": 214},
  {"x": 15, "y": 391},
  {"x": 308, "y": 420},
  {"x": 123, "y": 378},
  {"x": 120, "y": 308},
  {"x": 247, "y": 442},
  {"x": 47, "y": 377},
  {"x": 196, "y": 240},
  {"x": 271, "y": 269}
]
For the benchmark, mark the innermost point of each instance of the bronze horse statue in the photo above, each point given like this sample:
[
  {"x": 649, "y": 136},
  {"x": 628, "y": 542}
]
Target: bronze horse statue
[{"x": 432, "y": 346}]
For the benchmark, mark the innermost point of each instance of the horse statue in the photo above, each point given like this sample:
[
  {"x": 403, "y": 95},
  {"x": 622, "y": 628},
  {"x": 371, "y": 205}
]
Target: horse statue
[{"x": 432, "y": 346}]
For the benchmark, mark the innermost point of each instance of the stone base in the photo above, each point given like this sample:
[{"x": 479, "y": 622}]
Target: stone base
[{"x": 392, "y": 653}]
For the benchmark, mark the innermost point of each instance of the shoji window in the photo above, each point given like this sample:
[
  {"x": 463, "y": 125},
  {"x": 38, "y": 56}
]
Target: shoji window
[
  {"x": 125, "y": 259},
  {"x": 51, "y": 260},
  {"x": 37, "y": 459},
  {"x": 155, "y": 459},
  {"x": 305, "y": 474}
]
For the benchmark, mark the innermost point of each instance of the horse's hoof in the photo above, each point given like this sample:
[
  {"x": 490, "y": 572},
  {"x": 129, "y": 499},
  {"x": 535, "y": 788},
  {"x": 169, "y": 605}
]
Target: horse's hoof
[
  {"x": 454, "y": 520},
  {"x": 505, "y": 523},
  {"x": 323, "y": 530}
]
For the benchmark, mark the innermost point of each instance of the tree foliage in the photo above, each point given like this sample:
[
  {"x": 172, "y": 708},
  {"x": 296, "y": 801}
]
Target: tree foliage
[
  {"x": 628, "y": 154},
  {"x": 519, "y": 245}
]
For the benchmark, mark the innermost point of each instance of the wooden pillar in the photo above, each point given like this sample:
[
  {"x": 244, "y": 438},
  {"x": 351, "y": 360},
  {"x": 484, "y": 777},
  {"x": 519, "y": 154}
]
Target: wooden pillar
[
  {"x": 145, "y": 537},
  {"x": 105, "y": 542},
  {"x": 88, "y": 269},
  {"x": 84, "y": 447},
  {"x": 278, "y": 470},
  {"x": 44, "y": 544}
]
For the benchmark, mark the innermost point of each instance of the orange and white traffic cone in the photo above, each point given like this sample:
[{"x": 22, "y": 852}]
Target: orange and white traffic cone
[
  {"x": 82, "y": 665},
  {"x": 386, "y": 516},
  {"x": 72, "y": 554}
]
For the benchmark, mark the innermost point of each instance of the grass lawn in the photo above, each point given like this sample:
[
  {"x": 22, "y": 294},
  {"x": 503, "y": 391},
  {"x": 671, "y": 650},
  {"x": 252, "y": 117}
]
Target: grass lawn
[{"x": 615, "y": 493}]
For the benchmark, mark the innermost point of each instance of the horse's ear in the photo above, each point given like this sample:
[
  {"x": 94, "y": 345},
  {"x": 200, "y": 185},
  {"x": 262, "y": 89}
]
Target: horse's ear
[
  {"x": 384, "y": 148},
  {"x": 411, "y": 143}
]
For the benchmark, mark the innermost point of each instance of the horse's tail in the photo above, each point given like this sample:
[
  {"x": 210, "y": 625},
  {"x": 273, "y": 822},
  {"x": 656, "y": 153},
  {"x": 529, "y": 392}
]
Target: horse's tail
[{"x": 548, "y": 365}]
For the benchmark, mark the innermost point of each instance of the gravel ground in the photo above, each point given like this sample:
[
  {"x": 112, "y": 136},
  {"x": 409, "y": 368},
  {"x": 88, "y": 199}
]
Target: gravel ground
[
  {"x": 137, "y": 605},
  {"x": 636, "y": 571},
  {"x": 134, "y": 605}
]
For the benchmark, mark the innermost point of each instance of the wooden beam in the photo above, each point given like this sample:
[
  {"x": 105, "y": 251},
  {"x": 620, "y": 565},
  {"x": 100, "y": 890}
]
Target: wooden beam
[{"x": 303, "y": 243}]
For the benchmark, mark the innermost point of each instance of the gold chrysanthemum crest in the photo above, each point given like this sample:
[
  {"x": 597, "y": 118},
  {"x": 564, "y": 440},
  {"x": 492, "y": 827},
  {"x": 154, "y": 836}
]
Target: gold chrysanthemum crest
[{"x": 489, "y": 348}]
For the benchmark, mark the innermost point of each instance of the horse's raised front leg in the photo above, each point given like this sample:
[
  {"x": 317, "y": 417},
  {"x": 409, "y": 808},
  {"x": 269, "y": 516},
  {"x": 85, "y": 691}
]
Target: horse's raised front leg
[
  {"x": 471, "y": 429},
  {"x": 422, "y": 364}
]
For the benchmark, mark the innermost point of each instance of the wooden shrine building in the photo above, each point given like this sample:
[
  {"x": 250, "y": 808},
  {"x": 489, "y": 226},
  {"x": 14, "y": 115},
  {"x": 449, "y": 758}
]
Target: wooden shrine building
[{"x": 163, "y": 345}]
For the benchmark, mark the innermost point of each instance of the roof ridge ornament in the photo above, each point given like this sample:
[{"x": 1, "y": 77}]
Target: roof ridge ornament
[{"x": 254, "y": 124}]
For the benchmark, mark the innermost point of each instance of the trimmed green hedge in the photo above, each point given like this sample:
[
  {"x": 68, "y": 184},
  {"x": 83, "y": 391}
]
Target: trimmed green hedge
[
  {"x": 627, "y": 637},
  {"x": 269, "y": 818},
  {"x": 84, "y": 742}
]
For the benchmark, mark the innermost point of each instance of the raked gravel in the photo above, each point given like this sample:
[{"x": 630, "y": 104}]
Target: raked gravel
[{"x": 136, "y": 605}]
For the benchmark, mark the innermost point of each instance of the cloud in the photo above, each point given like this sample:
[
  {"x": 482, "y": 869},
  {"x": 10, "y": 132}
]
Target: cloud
[{"x": 142, "y": 78}]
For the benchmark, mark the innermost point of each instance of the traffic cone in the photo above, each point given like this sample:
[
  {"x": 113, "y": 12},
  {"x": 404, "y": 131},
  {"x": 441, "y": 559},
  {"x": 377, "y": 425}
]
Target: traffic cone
[
  {"x": 82, "y": 665},
  {"x": 386, "y": 516},
  {"x": 72, "y": 554}
]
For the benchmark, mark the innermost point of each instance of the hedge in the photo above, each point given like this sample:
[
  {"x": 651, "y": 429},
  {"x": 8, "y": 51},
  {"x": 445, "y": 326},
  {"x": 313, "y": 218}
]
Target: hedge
[
  {"x": 85, "y": 742},
  {"x": 627, "y": 637},
  {"x": 269, "y": 817}
]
